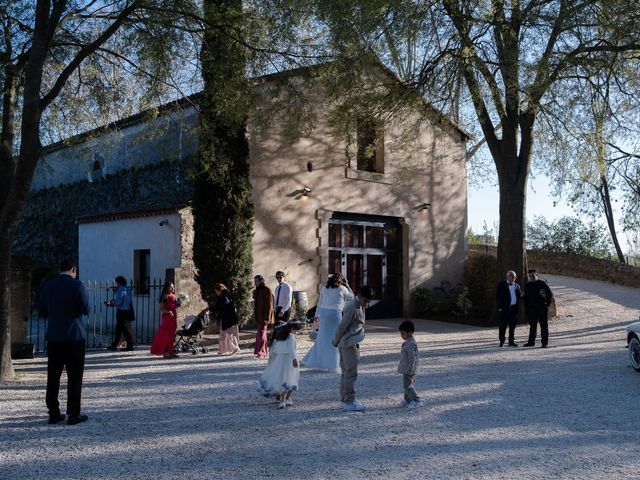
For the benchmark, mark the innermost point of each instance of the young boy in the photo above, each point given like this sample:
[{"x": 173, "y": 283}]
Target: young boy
[
  {"x": 408, "y": 365},
  {"x": 349, "y": 334}
]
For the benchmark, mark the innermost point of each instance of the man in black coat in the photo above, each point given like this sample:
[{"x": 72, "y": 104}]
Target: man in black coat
[
  {"x": 63, "y": 301},
  {"x": 537, "y": 298},
  {"x": 508, "y": 294}
]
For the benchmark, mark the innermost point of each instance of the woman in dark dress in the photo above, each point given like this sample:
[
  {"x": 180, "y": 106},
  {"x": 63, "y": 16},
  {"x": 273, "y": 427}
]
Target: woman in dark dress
[{"x": 226, "y": 310}]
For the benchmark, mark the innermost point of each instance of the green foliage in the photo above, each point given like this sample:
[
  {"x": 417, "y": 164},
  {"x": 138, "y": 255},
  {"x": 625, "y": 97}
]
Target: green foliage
[
  {"x": 463, "y": 303},
  {"x": 222, "y": 207},
  {"x": 486, "y": 238},
  {"x": 438, "y": 300},
  {"x": 479, "y": 280},
  {"x": 568, "y": 235}
]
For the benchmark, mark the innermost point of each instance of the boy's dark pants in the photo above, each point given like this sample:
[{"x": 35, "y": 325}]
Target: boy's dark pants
[
  {"x": 349, "y": 358},
  {"x": 410, "y": 394}
]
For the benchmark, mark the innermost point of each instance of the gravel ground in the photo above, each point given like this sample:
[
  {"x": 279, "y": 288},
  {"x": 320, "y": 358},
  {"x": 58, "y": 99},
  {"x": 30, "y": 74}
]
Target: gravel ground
[{"x": 569, "y": 411}]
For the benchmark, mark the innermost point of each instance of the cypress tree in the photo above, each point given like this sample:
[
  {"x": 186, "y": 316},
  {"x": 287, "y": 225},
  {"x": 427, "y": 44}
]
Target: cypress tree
[{"x": 222, "y": 207}]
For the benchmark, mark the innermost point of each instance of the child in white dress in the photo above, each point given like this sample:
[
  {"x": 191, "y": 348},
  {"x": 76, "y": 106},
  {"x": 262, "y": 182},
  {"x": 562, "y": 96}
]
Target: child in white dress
[{"x": 280, "y": 378}]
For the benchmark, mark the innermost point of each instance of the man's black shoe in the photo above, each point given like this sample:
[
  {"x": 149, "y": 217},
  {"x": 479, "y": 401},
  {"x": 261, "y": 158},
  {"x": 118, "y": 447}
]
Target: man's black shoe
[
  {"x": 513, "y": 344},
  {"x": 54, "y": 419},
  {"x": 129, "y": 349},
  {"x": 112, "y": 348},
  {"x": 529, "y": 344},
  {"x": 543, "y": 346},
  {"x": 502, "y": 343},
  {"x": 77, "y": 420}
]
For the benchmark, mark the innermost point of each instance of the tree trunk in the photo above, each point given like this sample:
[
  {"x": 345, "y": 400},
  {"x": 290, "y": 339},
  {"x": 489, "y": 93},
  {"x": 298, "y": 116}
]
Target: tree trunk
[
  {"x": 27, "y": 160},
  {"x": 511, "y": 236},
  {"x": 605, "y": 197},
  {"x": 513, "y": 171},
  {"x": 6, "y": 367}
]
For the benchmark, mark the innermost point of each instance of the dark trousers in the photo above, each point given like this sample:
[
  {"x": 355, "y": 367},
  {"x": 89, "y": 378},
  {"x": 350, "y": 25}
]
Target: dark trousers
[
  {"x": 535, "y": 316},
  {"x": 122, "y": 317},
  {"x": 285, "y": 316},
  {"x": 508, "y": 317},
  {"x": 67, "y": 356}
]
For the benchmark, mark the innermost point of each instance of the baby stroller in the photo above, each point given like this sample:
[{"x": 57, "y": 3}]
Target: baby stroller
[{"x": 188, "y": 337}]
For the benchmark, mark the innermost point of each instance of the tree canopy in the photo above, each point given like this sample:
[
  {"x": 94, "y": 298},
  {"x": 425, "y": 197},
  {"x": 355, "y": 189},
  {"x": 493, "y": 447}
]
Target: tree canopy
[
  {"x": 61, "y": 61},
  {"x": 512, "y": 63}
]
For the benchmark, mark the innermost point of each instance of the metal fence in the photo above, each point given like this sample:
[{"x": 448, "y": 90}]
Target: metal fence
[{"x": 101, "y": 321}]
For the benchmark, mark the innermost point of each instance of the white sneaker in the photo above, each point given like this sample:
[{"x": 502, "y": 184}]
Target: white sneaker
[
  {"x": 282, "y": 404},
  {"x": 403, "y": 404},
  {"x": 289, "y": 402},
  {"x": 353, "y": 407},
  {"x": 413, "y": 405}
]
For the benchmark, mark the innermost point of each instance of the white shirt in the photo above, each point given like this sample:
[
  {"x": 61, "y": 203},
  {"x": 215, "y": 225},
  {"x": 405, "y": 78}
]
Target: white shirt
[
  {"x": 512, "y": 291},
  {"x": 282, "y": 296},
  {"x": 334, "y": 298}
]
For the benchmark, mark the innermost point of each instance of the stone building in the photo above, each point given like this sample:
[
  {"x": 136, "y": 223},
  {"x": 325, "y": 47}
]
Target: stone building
[{"x": 386, "y": 211}]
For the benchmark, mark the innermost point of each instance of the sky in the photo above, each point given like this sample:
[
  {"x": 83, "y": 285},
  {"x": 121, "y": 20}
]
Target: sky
[{"x": 483, "y": 205}]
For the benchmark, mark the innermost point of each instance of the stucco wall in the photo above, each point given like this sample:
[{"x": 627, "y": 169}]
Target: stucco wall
[
  {"x": 291, "y": 232},
  {"x": 106, "y": 248},
  {"x": 166, "y": 137}
]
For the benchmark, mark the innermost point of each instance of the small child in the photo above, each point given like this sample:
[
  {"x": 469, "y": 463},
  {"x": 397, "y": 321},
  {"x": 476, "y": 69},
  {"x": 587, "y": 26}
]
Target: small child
[
  {"x": 408, "y": 366},
  {"x": 280, "y": 378}
]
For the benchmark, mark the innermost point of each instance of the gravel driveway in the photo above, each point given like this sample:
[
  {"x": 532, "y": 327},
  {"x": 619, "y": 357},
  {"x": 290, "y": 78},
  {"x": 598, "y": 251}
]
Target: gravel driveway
[{"x": 570, "y": 411}]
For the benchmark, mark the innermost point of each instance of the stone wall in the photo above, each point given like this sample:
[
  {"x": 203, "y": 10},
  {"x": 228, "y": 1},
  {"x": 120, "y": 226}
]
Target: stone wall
[
  {"x": 20, "y": 298},
  {"x": 48, "y": 230},
  {"x": 578, "y": 266}
]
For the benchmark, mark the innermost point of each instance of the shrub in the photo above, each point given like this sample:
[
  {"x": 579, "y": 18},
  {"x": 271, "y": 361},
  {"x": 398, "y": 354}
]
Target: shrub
[
  {"x": 479, "y": 279},
  {"x": 463, "y": 303},
  {"x": 437, "y": 300}
]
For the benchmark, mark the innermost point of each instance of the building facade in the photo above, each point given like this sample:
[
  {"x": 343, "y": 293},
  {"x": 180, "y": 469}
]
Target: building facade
[{"x": 385, "y": 208}]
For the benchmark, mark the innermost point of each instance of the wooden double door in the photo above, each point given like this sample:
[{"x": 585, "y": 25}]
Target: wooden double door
[{"x": 367, "y": 250}]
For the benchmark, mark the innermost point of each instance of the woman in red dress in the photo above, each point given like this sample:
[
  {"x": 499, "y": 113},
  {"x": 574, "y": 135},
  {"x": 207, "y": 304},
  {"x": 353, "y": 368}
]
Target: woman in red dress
[{"x": 163, "y": 341}]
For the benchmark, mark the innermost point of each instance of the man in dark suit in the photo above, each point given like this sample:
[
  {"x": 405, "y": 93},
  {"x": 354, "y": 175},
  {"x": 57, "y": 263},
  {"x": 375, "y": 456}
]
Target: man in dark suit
[
  {"x": 507, "y": 297},
  {"x": 537, "y": 298},
  {"x": 63, "y": 301}
]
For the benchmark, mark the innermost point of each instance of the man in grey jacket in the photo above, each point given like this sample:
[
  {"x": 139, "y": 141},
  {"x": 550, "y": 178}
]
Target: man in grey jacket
[{"x": 349, "y": 334}]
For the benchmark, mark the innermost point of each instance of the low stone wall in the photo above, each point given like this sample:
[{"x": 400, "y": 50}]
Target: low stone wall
[{"x": 579, "y": 266}]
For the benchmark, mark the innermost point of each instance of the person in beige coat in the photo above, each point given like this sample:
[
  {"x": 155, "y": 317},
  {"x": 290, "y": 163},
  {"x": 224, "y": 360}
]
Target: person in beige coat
[
  {"x": 408, "y": 366},
  {"x": 349, "y": 334}
]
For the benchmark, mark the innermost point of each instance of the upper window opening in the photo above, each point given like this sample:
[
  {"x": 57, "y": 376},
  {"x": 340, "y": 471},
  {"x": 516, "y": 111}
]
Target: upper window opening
[{"x": 370, "y": 146}]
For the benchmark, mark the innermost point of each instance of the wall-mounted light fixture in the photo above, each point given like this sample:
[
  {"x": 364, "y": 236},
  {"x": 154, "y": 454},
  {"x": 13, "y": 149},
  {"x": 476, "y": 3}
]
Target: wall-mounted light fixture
[
  {"x": 163, "y": 222},
  {"x": 423, "y": 207}
]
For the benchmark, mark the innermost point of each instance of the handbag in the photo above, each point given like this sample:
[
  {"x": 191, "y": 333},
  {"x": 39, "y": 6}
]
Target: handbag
[{"x": 132, "y": 313}]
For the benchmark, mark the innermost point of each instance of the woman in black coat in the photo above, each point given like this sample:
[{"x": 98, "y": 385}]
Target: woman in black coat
[{"x": 226, "y": 309}]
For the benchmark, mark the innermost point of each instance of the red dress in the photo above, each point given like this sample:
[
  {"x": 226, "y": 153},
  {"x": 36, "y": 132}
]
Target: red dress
[{"x": 163, "y": 341}]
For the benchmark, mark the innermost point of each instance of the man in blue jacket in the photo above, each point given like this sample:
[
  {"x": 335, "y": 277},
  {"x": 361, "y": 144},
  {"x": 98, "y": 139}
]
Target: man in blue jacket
[{"x": 63, "y": 301}]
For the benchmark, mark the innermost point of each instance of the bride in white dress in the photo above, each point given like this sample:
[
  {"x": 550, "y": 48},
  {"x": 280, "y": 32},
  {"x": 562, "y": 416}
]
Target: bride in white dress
[{"x": 333, "y": 297}]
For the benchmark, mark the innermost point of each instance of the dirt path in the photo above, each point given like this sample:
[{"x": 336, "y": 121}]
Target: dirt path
[{"x": 568, "y": 412}]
